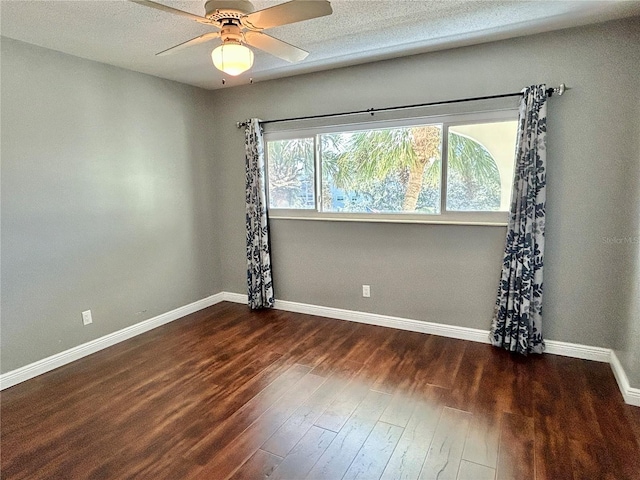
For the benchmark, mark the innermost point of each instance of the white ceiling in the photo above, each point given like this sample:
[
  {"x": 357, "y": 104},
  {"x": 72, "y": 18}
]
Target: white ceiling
[{"x": 128, "y": 35}]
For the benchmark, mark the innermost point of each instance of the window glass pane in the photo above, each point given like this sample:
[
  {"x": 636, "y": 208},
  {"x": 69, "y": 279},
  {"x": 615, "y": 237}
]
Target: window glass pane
[
  {"x": 382, "y": 171},
  {"x": 480, "y": 166},
  {"x": 290, "y": 165}
]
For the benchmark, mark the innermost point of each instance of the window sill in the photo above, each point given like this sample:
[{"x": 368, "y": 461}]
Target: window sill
[{"x": 327, "y": 218}]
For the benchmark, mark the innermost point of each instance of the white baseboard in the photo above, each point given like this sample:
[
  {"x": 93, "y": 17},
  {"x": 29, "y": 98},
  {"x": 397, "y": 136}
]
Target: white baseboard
[
  {"x": 235, "y": 298},
  {"x": 576, "y": 350},
  {"x": 451, "y": 331},
  {"x": 598, "y": 354},
  {"x": 554, "y": 347},
  {"x": 631, "y": 395},
  {"x": 34, "y": 369}
]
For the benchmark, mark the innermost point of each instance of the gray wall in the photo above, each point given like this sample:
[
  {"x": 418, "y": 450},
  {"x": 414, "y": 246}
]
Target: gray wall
[
  {"x": 108, "y": 200},
  {"x": 448, "y": 274}
]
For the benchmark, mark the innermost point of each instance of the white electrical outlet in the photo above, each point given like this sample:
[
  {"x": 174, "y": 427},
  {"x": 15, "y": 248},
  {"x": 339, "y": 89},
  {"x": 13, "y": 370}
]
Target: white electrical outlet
[
  {"x": 86, "y": 317},
  {"x": 366, "y": 291}
]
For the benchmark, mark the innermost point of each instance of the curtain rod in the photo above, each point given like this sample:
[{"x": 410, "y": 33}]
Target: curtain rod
[{"x": 550, "y": 91}]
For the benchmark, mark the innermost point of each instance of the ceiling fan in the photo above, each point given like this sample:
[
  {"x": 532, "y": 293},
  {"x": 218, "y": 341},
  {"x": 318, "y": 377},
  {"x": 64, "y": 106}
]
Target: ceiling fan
[{"x": 238, "y": 24}]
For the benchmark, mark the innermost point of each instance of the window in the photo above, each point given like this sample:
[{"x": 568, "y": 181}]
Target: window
[
  {"x": 452, "y": 169},
  {"x": 291, "y": 173},
  {"x": 390, "y": 170}
]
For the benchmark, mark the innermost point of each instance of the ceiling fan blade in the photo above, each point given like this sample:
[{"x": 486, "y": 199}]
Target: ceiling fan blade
[
  {"x": 189, "y": 43},
  {"x": 275, "y": 47},
  {"x": 285, "y": 13},
  {"x": 175, "y": 11}
]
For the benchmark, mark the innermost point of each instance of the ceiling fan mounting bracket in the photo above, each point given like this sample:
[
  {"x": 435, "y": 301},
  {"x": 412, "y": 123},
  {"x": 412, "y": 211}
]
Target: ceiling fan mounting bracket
[{"x": 220, "y": 10}]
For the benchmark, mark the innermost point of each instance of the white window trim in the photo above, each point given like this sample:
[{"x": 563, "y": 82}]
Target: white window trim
[{"x": 498, "y": 219}]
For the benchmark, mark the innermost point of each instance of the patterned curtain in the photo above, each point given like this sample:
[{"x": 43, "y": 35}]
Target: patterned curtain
[
  {"x": 259, "y": 283},
  {"x": 517, "y": 321}
]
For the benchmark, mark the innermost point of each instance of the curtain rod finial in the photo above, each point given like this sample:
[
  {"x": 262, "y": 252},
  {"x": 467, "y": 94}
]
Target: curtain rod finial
[{"x": 557, "y": 90}]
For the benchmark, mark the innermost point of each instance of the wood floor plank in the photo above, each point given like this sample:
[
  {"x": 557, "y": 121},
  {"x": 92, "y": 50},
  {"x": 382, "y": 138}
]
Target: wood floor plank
[
  {"x": 633, "y": 417},
  {"x": 445, "y": 453},
  {"x": 462, "y": 394},
  {"x": 223, "y": 463},
  {"x": 338, "y": 456},
  {"x": 296, "y": 332},
  {"x": 367, "y": 339},
  {"x": 328, "y": 344},
  {"x": 551, "y": 445},
  {"x": 304, "y": 455},
  {"x": 228, "y": 429},
  {"x": 495, "y": 392},
  {"x": 284, "y": 439},
  {"x": 372, "y": 458},
  {"x": 619, "y": 424},
  {"x": 483, "y": 439},
  {"x": 339, "y": 411},
  {"x": 515, "y": 456},
  {"x": 591, "y": 462},
  {"x": 313, "y": 349},
  {"x": 441, "y": 360},
  {"x": 579, "y": 415},
  {"x": 357, "y": 348},
  {"x": 396, "y": 360},
  {"x": 387, "y": 361},
  {"x": 400, "y": 409},
  {"x": 261, "y": 465},
  {"x": 408, "y": 456},
  {"x": 473, "y": 471}
]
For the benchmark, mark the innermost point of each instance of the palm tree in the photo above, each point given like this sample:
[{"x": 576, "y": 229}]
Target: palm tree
[
  {"x": 290, "y": 164},
  {"x": 415, "y": 153},
  {"x": 474, "y": 165}
]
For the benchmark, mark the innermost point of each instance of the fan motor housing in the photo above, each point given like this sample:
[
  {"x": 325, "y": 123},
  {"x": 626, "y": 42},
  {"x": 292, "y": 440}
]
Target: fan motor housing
[
  {"x": 217, "y": 10},
  {"x": 231, "y": 34}
]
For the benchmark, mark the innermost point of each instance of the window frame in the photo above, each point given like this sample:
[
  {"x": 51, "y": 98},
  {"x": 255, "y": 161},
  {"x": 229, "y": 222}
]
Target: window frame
[{"x": 497, "y": 218}]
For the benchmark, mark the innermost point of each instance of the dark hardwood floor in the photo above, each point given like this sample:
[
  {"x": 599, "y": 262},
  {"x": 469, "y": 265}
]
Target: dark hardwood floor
[{"x": 229, "y": 393}]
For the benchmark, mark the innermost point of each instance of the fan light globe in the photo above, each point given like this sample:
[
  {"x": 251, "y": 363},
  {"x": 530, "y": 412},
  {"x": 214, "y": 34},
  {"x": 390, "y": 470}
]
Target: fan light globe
[{"x": 232, "y": 58}]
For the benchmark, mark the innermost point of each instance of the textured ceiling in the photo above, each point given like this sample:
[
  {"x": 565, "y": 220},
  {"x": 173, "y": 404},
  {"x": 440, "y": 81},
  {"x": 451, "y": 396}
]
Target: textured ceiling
[{"x": 128, "y": 35}]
